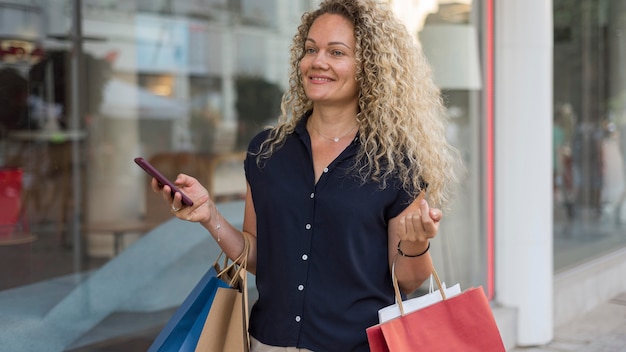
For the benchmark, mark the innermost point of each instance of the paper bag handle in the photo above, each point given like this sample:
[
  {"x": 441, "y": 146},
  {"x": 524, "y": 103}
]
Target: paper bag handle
[
  {"x": 396, "y": 287},
  {"x": 241, "y": 262}
]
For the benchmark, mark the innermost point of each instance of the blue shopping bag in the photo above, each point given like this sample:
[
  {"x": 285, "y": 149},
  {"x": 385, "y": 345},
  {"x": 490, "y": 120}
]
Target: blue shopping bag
[{"x": 182, "y": 331}]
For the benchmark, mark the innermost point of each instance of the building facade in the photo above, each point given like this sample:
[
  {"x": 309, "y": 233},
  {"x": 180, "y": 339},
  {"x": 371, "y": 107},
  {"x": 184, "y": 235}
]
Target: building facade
[{"x": 536, "y": 96}]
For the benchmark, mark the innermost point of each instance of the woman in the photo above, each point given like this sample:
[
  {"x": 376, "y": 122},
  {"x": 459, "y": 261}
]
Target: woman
[{"x": 335, "y": 190}]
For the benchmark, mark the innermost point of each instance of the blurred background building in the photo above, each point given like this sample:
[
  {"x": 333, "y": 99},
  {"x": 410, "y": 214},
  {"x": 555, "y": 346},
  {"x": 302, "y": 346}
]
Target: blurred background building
[{"x": 536, "y": 95}]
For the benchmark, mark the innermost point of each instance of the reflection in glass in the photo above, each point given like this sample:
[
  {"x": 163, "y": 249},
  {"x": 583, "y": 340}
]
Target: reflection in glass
[
  {"x": 450, "y": 39},
  {"x": 589, "y": 125}
]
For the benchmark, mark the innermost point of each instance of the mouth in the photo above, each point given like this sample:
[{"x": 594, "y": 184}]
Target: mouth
[{"x": 320, "y": 79}]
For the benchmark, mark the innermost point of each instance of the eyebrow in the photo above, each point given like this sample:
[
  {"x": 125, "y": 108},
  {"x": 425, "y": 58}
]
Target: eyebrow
[{"x": 330, "y": 43}]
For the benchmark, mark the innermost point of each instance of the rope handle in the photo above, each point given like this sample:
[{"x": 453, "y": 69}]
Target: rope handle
[
  {"x": 240, "y": 263},
  {"x": 396, "y": 287}
]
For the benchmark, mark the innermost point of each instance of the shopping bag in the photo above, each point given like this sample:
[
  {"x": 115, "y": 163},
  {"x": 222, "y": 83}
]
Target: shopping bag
[
  {"x": 460, "y": 323},
  {"x": 225, "y": 328},
  {"x": 10, "y": 200},
  {"x": 199, "y": 300},
  {"x": 184, "y": 330},
  {"x": 226, "y": 325}
]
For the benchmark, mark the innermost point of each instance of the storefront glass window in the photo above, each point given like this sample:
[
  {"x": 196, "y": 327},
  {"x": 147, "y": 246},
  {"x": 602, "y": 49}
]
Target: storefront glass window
[
  {"x": 453, "y": 38},
  {"x": 589, "y": 134}
]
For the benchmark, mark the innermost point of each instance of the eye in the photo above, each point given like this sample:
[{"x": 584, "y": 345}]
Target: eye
[
  {"x": 309, "y": 50},
  {"x": 337, "y": 53}
]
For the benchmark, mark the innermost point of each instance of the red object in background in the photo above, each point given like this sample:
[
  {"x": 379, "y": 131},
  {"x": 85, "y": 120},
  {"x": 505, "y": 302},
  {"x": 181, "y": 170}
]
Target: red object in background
[{"x": 10, "y": 200}]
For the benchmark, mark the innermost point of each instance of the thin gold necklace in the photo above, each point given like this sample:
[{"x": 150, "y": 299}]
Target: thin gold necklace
[{"x": 335, "y": 139}]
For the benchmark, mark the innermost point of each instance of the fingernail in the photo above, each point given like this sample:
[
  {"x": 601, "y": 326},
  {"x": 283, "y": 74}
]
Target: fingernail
[{"x": 423, "y": 202}]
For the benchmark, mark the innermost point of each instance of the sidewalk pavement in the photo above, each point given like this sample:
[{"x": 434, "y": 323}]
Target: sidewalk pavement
[{"x": 601, "y": 330}]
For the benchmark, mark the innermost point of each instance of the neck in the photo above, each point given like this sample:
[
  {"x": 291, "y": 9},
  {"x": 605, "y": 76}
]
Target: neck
[{"x": 335, "y": 115}]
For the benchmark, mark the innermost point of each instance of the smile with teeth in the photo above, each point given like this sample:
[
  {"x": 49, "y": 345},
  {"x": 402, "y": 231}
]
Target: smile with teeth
[{"x": 321, "y": 79}]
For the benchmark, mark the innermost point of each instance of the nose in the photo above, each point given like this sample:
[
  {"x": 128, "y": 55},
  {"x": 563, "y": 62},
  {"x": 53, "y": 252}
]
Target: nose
[{"x": 319, "y": 61}]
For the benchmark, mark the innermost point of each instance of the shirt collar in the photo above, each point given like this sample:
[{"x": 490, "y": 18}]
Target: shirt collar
[{"x": 302, "y": 133}]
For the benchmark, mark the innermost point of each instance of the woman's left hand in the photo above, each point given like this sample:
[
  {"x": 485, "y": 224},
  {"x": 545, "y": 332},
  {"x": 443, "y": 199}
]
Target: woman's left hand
[
  {"x": 409, "y": 235},
  {"x": 416, "y": 225}
]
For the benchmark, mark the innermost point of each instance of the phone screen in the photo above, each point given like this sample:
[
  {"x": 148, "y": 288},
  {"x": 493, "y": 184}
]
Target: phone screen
[{"x": 152, "y": 171}]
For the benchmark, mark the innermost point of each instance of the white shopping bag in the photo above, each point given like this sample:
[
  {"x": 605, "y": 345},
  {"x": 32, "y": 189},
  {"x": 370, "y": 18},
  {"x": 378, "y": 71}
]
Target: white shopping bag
[{"x": 413, "y": 304}]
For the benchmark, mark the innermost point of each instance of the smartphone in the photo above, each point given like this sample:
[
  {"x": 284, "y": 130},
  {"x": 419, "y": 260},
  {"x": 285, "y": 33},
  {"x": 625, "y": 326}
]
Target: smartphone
[{"x": 162, "y": 180}]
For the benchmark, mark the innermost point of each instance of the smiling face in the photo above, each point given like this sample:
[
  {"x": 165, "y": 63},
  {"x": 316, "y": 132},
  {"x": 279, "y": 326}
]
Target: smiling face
[{"x": 328, "y": 67}]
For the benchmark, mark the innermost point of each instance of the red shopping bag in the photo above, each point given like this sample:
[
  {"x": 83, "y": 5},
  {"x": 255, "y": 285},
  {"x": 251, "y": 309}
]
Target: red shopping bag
[
  {"x": 10, "y": 200},
  {"x": 461, "y": 323}
]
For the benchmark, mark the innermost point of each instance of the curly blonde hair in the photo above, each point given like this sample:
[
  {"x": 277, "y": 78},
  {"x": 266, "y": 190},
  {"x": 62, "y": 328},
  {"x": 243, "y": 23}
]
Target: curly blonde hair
[{"x": 401, "y": 116}]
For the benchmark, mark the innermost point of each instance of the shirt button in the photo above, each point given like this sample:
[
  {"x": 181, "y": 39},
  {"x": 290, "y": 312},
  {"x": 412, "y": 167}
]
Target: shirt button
[
  {"x": 308, "y": 226},
  {"x": 300, "y": 287},
  {"x": 298, "y": 318},
  {"x": 305, "y": 257},
  {"x": 325, "y": 169},
  {"x": 312, "y": 195}
]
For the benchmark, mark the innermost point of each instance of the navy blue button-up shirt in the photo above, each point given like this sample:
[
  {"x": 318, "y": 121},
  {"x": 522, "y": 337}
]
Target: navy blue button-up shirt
[{"x": 322, "y": 261}]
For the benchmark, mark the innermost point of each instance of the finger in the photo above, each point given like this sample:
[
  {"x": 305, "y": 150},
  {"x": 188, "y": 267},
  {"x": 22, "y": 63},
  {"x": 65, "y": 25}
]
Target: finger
[
  {"x": 430, "y": 222},
  {"x": 408, "y": 226},
  {"x": 182, "y": 180},
  {"x": 430, "y": 227},
  {"x": 424, "y": 208},
  {"x": 435, "y": 214},
  {"x": 154, "y": 184},
  {"x": 426, "y": 219},
  {"x": 166, "y": 192},
  {"x": 401, "y": 228},
  {"x": 412, "y": 226},
  {"x": 177, "y": 203}
]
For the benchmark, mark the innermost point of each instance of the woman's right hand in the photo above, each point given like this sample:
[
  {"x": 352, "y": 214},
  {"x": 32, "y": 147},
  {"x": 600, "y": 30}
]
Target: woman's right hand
[{"x": 202, "y": 207}]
